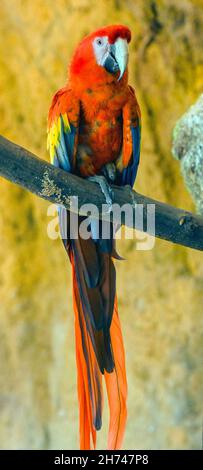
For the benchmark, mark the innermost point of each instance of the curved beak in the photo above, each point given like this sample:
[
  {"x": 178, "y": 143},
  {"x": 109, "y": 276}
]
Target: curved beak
[
  {"x": 121, "y": 55},
  {"x": 117, "y": 58}
]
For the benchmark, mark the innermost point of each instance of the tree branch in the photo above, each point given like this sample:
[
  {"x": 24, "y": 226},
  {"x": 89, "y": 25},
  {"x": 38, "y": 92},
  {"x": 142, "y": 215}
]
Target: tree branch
[{"x": 57, "y": 186}]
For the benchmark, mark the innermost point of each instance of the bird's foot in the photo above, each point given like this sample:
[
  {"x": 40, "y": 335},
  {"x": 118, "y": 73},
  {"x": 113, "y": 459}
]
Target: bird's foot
[
  {"x": 127, "y": 188},
  {"x": 109, "y": 171},
  {"x": 105, "y": 188},
  {"x": 129, "y": 192}
]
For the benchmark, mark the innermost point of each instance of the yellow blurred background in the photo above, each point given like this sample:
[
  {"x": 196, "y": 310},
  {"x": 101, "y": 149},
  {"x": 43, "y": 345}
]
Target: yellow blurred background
[{"x": 159, "y": 291}]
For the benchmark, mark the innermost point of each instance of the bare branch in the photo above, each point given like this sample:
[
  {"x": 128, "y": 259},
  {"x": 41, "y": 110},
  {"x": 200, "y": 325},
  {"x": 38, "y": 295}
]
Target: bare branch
[{"x": 39, "y": 177}]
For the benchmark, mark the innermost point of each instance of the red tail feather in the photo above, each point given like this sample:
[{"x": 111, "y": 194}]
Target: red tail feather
[
  {"x": 85, "y": 377},
  {"x": 89, "y": 386},
  {"x": 116, "y": 384}
]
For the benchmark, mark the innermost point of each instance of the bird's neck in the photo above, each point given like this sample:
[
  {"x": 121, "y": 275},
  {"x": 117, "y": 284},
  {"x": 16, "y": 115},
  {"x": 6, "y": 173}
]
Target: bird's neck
[{"x": 97, "y": 90}]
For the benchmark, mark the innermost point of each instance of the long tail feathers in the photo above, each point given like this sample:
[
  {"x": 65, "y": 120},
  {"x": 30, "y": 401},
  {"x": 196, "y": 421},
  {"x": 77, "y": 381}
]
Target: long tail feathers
[
  {"x": 89, "y": 380},
  {"x": 116, "y": 384},
  {"x": 86, "y": 429}
]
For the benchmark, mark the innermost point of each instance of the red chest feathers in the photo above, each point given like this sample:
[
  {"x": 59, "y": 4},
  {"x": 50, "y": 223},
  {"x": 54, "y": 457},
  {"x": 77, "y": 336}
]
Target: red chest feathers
[{"x": 102, "y": 137}]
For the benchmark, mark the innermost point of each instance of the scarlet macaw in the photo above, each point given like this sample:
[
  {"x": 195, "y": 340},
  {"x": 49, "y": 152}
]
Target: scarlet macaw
[{"x": 94, "y": 131}]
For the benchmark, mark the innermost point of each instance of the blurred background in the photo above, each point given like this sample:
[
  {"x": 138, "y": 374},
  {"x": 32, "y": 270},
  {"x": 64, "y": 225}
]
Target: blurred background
[{"x": 159, "y": 291}]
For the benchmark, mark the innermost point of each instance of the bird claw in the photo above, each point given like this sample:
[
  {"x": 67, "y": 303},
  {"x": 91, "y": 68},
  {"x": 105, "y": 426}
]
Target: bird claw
[
  {"x": 105, "y": 188},
  {"x": 128, "y": 187},
  {"x": 109, "y": 171}
]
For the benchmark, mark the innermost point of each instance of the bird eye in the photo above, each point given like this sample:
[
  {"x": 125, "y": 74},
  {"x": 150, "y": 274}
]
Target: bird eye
[{"x": 99, "y": 42}]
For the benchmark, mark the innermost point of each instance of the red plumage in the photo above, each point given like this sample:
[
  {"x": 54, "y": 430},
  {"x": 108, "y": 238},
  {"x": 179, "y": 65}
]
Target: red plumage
[{"x": 99, "y": 112}]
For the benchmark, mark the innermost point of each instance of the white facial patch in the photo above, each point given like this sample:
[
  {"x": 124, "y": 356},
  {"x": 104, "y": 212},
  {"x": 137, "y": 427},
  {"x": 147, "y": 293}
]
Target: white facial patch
[
  {"x": 101, "y": 49},
  {"x": 114, "y": 57}
]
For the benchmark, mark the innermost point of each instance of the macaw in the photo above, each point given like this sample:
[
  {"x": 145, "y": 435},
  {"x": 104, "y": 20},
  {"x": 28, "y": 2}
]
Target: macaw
[{"x": 94, "y": 127}]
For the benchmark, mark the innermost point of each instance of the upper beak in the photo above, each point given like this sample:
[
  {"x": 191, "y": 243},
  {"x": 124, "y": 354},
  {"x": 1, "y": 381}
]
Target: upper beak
[
  {"x": 121, "y": 55},
  {"x": 117, "y": 57}
]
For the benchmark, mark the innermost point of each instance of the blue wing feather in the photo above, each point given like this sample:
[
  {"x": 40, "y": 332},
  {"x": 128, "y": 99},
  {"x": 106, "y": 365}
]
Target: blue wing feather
[
  {"x": 129, "y": 174},
  {"x": 65, "y": 147}
]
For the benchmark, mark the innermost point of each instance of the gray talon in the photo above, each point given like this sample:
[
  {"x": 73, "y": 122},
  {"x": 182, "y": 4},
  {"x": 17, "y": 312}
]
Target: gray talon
[
  {"x": 105, "y": 188},
  {"x": 128, "y": 187},
  {"x": 109, "y": 171}
]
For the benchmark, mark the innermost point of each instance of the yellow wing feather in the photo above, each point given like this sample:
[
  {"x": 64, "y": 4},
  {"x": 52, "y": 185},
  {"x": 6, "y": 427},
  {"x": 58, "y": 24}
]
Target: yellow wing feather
[{"x": 54, "y": 134}]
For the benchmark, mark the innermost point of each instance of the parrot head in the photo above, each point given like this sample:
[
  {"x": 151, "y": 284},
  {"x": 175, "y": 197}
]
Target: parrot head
[{"x": 102, "y": 55}]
